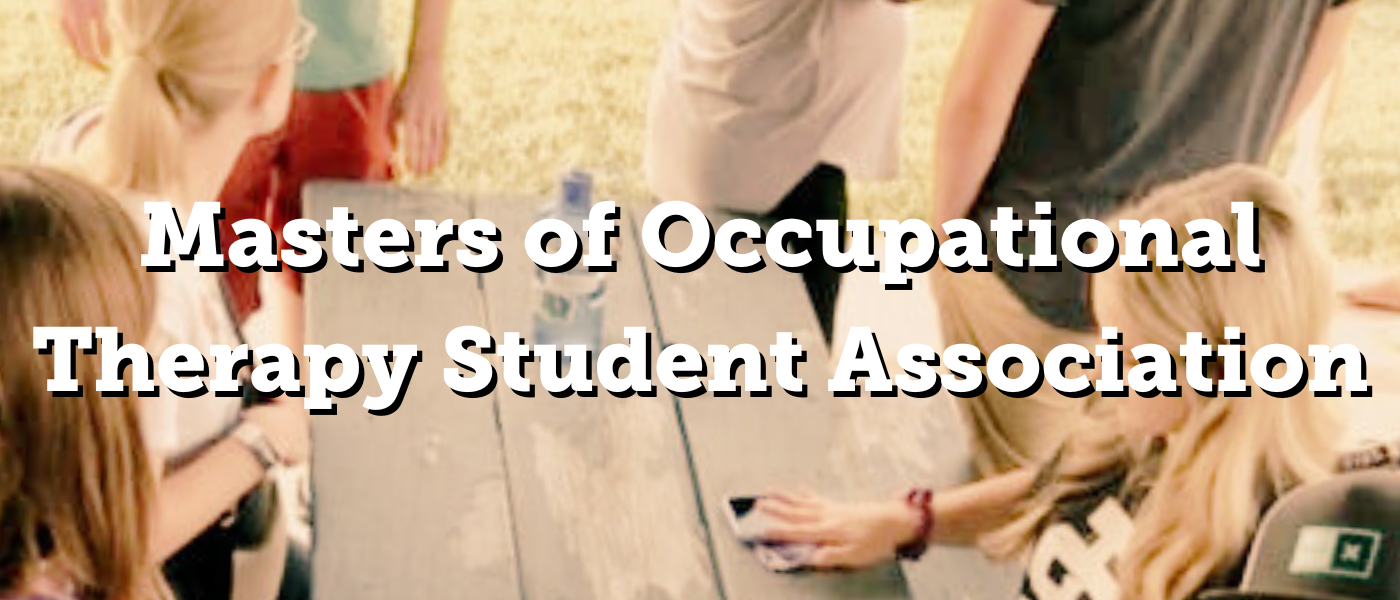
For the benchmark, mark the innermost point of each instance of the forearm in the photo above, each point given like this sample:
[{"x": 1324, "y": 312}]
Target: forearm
[
  {"x": 198, "y": 494},
  {"x": 963, "y": 514},
  {"x": 969, "y": 138},
  {"x": 1324, "y": 59},
  {"x": 997, "y": 51},
  {"x": 430, "y": 21}
]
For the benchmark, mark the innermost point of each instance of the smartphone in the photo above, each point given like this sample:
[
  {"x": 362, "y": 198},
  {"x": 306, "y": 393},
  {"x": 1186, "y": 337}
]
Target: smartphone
[{"x": 749, "y": 525}]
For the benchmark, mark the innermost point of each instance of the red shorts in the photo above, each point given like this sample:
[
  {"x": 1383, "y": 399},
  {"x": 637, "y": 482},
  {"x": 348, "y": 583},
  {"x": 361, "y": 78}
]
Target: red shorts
[{"x": 344, "y": 134}]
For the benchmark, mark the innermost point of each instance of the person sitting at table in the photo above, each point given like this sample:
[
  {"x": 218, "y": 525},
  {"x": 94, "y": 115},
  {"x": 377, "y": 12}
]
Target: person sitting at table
[
  {"x": 194, "y": 81},
  {"x": 765, "y": 107},
  {"x": 1155, "y": 496},
  {"x": 1082, "y": 106},
  {"x": 349, "y": 114},
  {"x": 77, "y": 488}
]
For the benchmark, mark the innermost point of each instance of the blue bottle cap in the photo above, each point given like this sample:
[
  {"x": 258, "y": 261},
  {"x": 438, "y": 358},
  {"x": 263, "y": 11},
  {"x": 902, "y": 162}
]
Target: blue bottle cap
[{"x": 578, "y": 189}]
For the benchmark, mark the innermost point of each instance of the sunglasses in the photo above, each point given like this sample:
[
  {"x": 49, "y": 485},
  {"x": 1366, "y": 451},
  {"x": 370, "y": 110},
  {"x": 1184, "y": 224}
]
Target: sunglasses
[{"x": 302, "y": 39}]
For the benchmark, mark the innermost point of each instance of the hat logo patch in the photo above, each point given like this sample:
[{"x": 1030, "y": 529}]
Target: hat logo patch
[{"x": 1335, "y": 552}]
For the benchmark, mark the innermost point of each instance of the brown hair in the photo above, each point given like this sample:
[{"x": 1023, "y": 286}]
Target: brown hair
[{"x": 76, "y": 484}]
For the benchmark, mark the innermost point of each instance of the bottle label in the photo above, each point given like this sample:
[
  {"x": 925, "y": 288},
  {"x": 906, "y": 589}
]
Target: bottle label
[{"x": 562, "y": 295}]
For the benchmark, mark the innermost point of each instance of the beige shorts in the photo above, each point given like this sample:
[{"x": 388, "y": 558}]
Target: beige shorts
[{"x": 1008, "y": 433}]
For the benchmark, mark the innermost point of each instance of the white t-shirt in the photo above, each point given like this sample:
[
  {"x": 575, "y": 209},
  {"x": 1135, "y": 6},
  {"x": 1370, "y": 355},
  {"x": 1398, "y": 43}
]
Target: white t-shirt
[
  {"x": 190, "y": 309},
  {"x": 751, "y": 95}
]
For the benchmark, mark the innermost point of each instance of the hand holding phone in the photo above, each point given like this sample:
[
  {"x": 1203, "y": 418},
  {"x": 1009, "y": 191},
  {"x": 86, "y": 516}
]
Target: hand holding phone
[{"x": 749, "y": 525}]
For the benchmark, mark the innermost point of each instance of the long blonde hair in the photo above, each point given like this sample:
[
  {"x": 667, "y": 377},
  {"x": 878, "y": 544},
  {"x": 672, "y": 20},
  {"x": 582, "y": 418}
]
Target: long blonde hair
[
  {"x": 76, "y": 484},
  {"x": 1208, "y": 480},
  {"x": 181, "y": 63}
]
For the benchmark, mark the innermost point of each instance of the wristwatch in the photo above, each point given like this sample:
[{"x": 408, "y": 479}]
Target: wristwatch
[{"x": 252, "y": 437}]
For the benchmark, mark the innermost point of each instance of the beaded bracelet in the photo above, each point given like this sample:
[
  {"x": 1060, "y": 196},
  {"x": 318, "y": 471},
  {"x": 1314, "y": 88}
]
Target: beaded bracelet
[{"x": 920, "y": 499}]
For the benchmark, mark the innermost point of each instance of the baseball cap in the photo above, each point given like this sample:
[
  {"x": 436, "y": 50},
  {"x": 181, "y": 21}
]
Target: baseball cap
[{"x": 1337, "y": 539}]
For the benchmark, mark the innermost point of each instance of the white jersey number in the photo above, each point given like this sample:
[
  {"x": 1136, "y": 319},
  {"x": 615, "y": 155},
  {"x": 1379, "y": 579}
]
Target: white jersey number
[{"x": 1087, "y": 568}]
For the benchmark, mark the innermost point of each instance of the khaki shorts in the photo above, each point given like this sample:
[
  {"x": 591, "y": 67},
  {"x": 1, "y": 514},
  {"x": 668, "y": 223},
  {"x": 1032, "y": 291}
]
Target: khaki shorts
[{"x": 1008, "y": 433}]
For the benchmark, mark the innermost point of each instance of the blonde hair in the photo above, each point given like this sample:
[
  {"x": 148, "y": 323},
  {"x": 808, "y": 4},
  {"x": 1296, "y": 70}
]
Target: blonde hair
[
  {"x": 1209, "y": 479},
  {"x": 182, "y": 63},
  {"x": 76, "y": 484}
]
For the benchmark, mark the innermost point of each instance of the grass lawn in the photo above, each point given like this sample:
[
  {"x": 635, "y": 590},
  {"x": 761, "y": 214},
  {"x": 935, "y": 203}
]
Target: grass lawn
[{"x": 539, "y": 86}]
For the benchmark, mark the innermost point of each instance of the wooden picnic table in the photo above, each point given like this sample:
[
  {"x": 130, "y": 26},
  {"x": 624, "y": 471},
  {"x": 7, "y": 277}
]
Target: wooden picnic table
[{"x": 604, "y": 498}]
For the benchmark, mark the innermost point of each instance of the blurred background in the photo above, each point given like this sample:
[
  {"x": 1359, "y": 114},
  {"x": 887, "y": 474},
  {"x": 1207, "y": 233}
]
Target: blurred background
[{"x": 541, "y": 85}]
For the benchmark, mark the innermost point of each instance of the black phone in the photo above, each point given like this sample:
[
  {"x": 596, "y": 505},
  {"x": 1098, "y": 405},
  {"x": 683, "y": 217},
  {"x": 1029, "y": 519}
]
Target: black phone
[{"x": 749, "y": 526}]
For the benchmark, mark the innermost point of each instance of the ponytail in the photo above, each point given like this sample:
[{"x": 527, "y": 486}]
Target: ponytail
[
  {"x": 142, "y": 125},
  {"x": 181, "y": 64}
]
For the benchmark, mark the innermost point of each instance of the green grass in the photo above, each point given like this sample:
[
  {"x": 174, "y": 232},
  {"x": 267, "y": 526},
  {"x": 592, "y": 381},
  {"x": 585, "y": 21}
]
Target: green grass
[{"x": 545, "y": 84}]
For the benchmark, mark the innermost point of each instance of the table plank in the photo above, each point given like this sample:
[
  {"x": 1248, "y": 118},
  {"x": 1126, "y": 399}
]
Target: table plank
[
  {"x": 603, "y": 496},
  {"x": 412, "y": 505},
  {"x": 744, "y": 445},
  {"x": 744, "y": 308}
]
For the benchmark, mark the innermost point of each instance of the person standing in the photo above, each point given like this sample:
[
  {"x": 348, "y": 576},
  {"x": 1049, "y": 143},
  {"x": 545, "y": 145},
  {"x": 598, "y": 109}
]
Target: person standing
[
  {"x": 348, "y": 115},
  {"x": 764, "y": 108},
  {"x": 1086, "y": 106}
]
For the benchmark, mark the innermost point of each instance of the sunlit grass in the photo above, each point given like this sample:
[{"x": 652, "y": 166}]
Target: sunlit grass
[{"x": 543, "y": 85}]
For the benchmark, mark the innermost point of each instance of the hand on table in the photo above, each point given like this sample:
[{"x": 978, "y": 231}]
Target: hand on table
[
  {"x": 848, "y": 535},
  {"x": 421, "y": 117},
  {"x": 84, "y": 23}
]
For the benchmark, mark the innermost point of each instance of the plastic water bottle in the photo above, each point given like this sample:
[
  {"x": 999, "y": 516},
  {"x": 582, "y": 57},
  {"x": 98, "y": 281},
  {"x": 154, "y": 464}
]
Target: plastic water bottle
[{"x": 569, "y": 305}]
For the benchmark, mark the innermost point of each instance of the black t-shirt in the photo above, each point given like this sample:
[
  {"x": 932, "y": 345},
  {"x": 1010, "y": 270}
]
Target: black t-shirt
[
  {"x": 1074, "y": 559},
  {"x": 1125, "y": 95},
  {"x": 1075, "y": 556}
]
